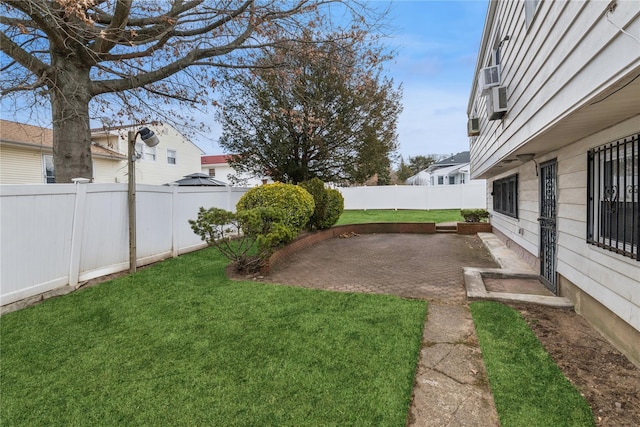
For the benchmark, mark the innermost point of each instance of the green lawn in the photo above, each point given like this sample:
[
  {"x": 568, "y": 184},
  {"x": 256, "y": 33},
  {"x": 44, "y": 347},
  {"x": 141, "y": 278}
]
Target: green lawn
[
  {"x": 528, "y": 387},
  {"x": 435, "y": 215},
  {"x": 179, "y": 344}
]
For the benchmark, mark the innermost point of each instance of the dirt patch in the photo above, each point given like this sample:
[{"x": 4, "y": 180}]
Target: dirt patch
[
  {"x": 516, "y": 286},
  {"x": 605, "y": 377}
]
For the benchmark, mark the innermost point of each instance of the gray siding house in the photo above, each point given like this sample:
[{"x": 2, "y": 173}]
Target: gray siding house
[{"x": 554, "y": 125}]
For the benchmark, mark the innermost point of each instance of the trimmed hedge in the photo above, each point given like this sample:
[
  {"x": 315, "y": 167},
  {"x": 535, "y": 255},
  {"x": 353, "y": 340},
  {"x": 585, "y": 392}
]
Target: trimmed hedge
[
  {"x": 474, "y": 215},
  {"x": 329, "y": 204},
  {"x": 295, "y": 203}
]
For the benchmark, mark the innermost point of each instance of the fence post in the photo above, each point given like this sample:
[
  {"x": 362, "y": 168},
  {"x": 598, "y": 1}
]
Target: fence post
[
  {"x": 174, "y": 221},
  {"x": 77, "y": 229}
]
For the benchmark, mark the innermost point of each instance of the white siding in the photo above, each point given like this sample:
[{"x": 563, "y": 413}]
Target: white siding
[
  {"x": 224, "y": 170},
  {"x": 107, "y": 170},
  {"x": 568, "y": 56},
  {"x": 20, "y": 165},
  {"x": 159, "y": 171},
  {"x": 611, "y": 278}
]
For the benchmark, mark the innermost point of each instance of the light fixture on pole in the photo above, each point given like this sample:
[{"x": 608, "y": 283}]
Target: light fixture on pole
[{"x": 151, "y": 140}]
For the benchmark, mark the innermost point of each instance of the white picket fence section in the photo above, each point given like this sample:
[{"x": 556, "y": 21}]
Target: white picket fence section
[
  {"x": 53, "y": 236},
  {"x": 460, "y": 196},
  {"x": 58, "y": 235}
]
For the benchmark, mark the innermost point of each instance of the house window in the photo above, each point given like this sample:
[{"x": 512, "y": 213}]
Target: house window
[
  {"x": 505, "y": 196},
  {"x": 530, "y": 7},
  {"x": 613, "y": 213},
  {"x": 440, "y": 180},
  {"x": 452, "y": 180},
  {"x": 145, "y": 152},
  {"x": 49, "y": 175},
  {"x": 171, "y": 157},
  {"x": 212, "y": 172}
]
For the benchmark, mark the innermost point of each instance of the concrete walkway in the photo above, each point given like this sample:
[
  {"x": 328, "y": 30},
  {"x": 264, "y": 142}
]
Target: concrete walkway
[{"x": 451, "y": 387}]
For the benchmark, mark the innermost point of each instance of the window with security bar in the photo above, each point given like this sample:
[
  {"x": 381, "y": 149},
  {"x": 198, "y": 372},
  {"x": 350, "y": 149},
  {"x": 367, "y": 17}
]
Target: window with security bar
[{"x": 613, "y": 212}]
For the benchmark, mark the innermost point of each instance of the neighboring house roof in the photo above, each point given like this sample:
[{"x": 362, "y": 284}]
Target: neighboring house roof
[
  {"x": 462, "y": 157},
  {"x": 199, "y": 180},
  {"x": 421, "y": 178},
  {"x": 25, "y": 135},
  {"x": 216, "y": 159},
  {"x": 448, "y": 170},
  {"x": 456, "y": 159}
]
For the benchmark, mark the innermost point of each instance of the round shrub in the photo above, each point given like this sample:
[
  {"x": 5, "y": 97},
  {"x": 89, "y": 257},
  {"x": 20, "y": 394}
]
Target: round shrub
[
  {"x": 334, "y": 208},
  {"x": 295, "y": 203}
]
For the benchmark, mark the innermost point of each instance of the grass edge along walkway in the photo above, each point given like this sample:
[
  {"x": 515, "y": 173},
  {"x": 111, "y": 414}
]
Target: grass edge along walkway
[
  {"x": 527, "y": 386},
  {"x": 178, "y": 343}
]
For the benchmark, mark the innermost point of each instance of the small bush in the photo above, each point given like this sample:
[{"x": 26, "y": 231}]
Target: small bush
[
  {"x": 247, "y": 237},
  {"x": 474, "y": 215},
  {"x": 295, "y": 203},
  {"x": 329, "y": 204}
]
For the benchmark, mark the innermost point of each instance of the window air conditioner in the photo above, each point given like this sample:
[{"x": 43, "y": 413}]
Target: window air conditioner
[
  {"x": 473, "y": 126},
  {"x": 496, "y": 102},
  {"x": 490, "y": 77}
]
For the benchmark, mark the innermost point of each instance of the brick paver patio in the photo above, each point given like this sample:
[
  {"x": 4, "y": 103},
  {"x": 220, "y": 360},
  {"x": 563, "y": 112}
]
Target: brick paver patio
[{"x": 424, "y": 266}]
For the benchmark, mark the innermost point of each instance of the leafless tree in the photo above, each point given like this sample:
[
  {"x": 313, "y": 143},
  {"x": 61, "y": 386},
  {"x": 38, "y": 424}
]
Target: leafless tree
[{"x": 91, "y": 57}]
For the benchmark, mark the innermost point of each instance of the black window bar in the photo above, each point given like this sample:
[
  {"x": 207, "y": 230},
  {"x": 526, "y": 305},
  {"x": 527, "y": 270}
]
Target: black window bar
[{"x": 612, "y": 197}]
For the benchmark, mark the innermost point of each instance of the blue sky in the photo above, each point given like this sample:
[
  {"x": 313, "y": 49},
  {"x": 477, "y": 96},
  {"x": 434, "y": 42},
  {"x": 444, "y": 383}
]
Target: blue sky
[{"x": 436, "y": 44}]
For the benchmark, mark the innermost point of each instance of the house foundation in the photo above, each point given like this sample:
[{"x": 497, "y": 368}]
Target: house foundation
[
  {"x": 622, "y": 335},
  {"x": 618, "y": 332}
]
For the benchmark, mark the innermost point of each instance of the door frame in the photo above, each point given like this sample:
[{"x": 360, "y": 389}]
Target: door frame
[{"x": 548, "y": 224}]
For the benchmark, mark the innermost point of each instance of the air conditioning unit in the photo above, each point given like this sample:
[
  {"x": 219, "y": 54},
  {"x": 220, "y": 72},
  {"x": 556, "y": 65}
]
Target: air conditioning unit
[
  {"x": 490, "y": 77},
  {"x": 496, "y": 102},
  {"x": 473, "y": 126}
]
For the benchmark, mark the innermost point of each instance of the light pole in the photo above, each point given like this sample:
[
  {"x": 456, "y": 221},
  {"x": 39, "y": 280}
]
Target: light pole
[{"x": 151, "y": 140}]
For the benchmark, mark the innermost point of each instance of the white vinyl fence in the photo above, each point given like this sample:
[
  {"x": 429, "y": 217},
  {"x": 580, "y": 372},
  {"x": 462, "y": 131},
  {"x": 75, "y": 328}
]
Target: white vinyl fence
[
  {"x": 57, "y": 235},
  {"x": 53, "y": 236},
  {"x": 461, "y": 196}
]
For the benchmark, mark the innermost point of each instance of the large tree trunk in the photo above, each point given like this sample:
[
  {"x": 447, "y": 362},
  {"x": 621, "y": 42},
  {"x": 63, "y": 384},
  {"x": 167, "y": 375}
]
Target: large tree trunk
[{"x": 70, "y": 96}]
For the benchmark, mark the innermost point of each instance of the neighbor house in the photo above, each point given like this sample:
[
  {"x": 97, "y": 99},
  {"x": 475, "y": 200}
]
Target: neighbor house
[
  {"x": 554, "y": 120},
  {"x": 450, "y": 171},
  {"x": 217, "y": 166},
  {"x": 26, "y": 155},
  {"x": 172, "y": 159},
  {"x": 453, "y": 170}
]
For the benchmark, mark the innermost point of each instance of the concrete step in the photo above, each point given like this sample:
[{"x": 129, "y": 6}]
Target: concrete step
[{"x": 446, "y": 228}]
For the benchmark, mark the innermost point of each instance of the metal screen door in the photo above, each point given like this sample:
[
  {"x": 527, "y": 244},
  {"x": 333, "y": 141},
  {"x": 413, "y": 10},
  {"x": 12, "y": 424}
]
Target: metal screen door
[{"x": 548, "y": 231}]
